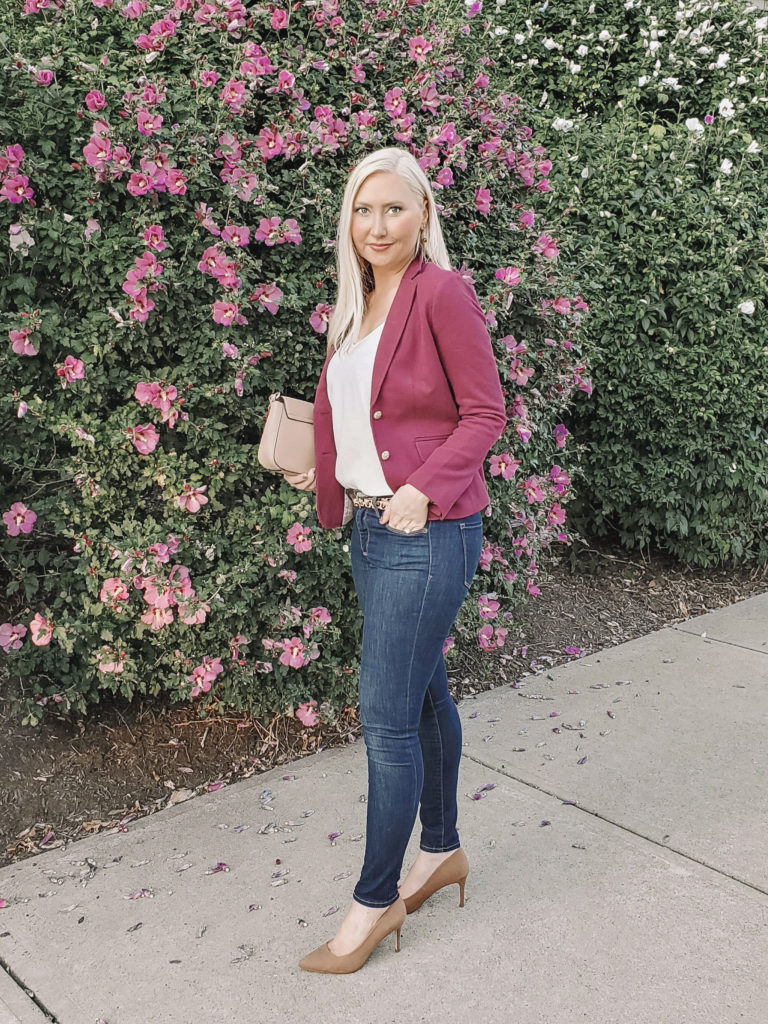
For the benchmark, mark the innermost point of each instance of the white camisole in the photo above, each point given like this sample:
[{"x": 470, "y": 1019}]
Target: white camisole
[{"x": 348, "y": 381}]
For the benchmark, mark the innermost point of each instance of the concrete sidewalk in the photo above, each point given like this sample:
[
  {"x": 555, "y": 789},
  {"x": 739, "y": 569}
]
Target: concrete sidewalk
[{"x": 618, "y": 870}]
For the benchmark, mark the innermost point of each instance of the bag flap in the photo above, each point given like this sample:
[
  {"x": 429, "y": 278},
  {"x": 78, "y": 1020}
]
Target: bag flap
[{"x": 297, "y": 409}]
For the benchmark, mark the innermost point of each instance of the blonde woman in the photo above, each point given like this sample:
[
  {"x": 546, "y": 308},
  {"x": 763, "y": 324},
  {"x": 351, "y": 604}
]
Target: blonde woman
[{"x": 408, "y": 405}]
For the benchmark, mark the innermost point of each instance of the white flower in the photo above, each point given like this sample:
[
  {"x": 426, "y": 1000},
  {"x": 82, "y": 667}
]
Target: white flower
[
  {"x": 550, "y": 44},
  {"x": 562, "y": 124},
  {"x": 742, "y": 80},
  {"x": 499, "y": 31},
  {"x": 693, "y": 124},
  {"x": 20, "y": 239},
  {"x": 585, "y": 172},
  {"x": 671, "y": 83},
  {"x": 654, "y": 45},
  {"x": 726, "y": 166},
  {"x": 747, "y": 307},
  {"x": 604, "y": 36},
  {"x": 725, "y": 109},
  {"x": 519, "y": 38},
  {"x": 574, "y": 68},
  {"x": 753, "y": 147},
  {"x": 761, "y": 24},
  {"x": 582, "y": 51},
  {"x": 643, "y": 80},
  {"x": 722, "y": 60}
]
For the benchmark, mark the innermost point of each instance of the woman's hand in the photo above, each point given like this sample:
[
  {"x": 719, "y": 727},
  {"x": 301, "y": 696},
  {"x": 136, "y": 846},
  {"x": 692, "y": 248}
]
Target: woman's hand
[
  {"x": 302, "y": 481},
  {"x": 406, "y": 509}
]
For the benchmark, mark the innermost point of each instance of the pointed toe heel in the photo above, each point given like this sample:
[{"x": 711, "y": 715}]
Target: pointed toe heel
[{"x": 323, "y": 960}]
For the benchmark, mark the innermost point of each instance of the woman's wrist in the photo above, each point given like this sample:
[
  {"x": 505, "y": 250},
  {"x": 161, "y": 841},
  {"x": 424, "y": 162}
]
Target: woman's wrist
[{"x": 418, "y": 494}]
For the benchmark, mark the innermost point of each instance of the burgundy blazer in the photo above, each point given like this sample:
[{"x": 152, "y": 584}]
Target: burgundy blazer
[{"x": 436, "y": 401}]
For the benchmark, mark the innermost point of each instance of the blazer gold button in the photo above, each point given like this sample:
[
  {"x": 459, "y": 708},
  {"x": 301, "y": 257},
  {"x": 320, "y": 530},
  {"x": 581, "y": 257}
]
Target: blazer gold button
[
  {"x": 377, "y": 414},
  {"x": 385, "y": 455}
]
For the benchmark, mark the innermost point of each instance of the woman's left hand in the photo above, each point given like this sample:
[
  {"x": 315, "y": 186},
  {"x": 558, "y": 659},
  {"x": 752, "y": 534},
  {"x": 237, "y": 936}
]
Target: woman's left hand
[{"x": 406, "y": 510}]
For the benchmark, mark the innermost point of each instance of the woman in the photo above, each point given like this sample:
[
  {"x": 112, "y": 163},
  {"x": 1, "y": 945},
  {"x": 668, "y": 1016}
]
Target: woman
[{"x": 408, "y": 405}]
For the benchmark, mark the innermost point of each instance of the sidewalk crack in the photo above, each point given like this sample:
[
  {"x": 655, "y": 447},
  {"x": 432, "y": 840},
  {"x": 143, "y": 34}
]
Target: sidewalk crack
[
  {"x": 717, "y": 640},
  {"x": 616, "y": 824},
  {"x": 49, "y": 1016}
]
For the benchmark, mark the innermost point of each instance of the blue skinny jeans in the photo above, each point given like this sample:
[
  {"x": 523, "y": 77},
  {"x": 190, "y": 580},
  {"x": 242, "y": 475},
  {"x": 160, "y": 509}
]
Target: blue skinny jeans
[{"x": 410, "y": 588}]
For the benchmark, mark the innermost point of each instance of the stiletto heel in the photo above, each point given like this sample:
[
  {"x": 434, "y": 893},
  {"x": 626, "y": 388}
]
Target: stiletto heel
[
  {"x": 453, "y": 869},
  {"x": 325, "y": 961}
]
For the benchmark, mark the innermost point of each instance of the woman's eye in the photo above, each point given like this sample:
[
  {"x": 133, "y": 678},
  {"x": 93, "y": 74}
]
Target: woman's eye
[{"x": 398, "y": 208}]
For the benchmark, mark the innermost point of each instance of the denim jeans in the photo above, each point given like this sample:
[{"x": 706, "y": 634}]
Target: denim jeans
[{"x": 410, "y": 588}]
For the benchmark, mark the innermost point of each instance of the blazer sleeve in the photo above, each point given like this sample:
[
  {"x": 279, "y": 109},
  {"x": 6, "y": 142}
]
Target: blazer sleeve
[{"x": 464, "y": 347}]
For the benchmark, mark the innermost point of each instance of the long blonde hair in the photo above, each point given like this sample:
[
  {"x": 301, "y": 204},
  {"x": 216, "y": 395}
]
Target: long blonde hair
[{"x": 353, "y": 274}]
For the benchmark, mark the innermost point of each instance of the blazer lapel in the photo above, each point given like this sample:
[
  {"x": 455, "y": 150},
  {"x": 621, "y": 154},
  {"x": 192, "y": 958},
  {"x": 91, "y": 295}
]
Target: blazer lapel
[{"x": 393, "y": 325}]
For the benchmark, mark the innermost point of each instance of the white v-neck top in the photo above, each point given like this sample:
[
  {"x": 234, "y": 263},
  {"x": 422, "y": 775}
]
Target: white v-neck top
[{"x": 348, "y": 382}]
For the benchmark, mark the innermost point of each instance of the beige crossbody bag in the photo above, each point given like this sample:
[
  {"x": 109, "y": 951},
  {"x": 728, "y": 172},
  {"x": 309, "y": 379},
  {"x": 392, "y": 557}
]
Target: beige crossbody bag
[{"x": 287, "y": 442}]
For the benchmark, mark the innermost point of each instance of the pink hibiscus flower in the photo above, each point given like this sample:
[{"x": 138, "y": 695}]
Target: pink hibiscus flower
[
  {"x": 41, "y": 630},
  {"x": 298, "y": 537},
  {"x": 320, "y": 317},
  {"x": 236, "y": 235},
  {"x": 531, "y": 488},
  {"x": 227, "y": 313},
  {"x": 11, "y": 636},
  {"x": 19, "y": 519},
  {"x": 306, "y": 713},
  {"x": 70, "y": 370},
  {"x": 488, "y": 606},
  {"x": 113, "y": 590},
  {"x": 295, "y": 654},
  {"x": 145, "y": 438},
  {"x": 504, "y": 465},
  {"x": 560, "y": 433},
  {"x": 418, "y": 48},
  {"x": 192, "y": 499},
  {"x": 269, "y": 296},
  {"x": 95, "y": 100},
  {"x": 483, "y": 201},
  {"x": 154, "y": 237},
  {"x": 20, "y": 342}
]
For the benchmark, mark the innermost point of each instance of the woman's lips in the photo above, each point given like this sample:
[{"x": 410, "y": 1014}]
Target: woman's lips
[{"x": 379, "y": 246}]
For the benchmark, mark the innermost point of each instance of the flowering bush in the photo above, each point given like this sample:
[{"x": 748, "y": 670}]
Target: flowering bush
[
  {"x": 655, "y": 120},
  {"x": 170, "y": 192}
]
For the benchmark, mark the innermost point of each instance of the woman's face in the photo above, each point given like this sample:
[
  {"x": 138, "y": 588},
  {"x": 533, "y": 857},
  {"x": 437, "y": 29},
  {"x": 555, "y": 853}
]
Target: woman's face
[{"x": 387, "y": 218}]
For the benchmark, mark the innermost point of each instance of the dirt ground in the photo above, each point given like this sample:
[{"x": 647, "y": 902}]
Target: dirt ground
[{"x": 64, "y": 779}]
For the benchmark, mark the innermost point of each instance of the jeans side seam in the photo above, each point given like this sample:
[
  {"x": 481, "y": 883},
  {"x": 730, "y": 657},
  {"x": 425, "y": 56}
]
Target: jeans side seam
[
  {"x": 416, "y": 632},
  {"x": 442, "y": 764}
]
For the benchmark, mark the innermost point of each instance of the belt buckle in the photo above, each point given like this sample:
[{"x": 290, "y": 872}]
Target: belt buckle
[{"x": 360, "y": 500}]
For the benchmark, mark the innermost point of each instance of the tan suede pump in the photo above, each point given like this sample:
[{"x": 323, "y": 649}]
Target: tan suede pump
[
  {"x": 326, "y": 962},
  {"x": 453, "y": 869}
]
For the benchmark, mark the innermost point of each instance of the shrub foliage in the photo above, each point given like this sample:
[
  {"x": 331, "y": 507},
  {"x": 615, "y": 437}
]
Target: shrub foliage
[
  {"x": 654, "y": 117},
  {"x": 169, "y": 191}
]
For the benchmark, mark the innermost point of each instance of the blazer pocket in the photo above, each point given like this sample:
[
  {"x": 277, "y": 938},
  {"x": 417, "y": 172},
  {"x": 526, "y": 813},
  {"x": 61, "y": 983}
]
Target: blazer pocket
[{"x": 426, "y": 445}]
